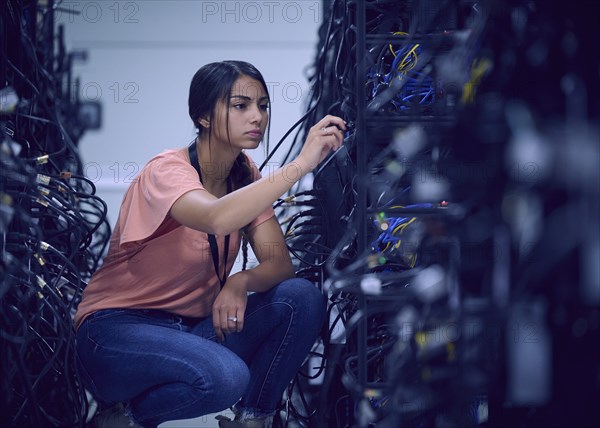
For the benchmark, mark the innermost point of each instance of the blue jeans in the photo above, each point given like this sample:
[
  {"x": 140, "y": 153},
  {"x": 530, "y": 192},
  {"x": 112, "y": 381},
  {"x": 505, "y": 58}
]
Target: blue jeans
[{"x": 170, "y": 368}]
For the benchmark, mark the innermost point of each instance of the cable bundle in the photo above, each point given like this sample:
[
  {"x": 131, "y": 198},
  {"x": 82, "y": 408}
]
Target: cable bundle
[
  {"x": 398, "y": 67},
  {"x": 476, "y": 144},
  {"x": 52, "y": 225},
  {"x": 493, "y": 289}
]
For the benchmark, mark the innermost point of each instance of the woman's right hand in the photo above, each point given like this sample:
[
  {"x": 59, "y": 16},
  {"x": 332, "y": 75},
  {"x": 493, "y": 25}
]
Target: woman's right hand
[{"x": 325, "y": 136}]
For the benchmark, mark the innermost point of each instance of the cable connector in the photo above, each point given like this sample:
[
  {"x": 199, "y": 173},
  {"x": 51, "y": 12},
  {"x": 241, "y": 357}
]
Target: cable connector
[
  {"x": 42, "y": 202},
  {"x": 39, "y": 259},
  {"x": 43, "y": 190},
  {"x": 43, "y": 179},
  {"x": 40, "y": 160},
  {"x": 40, "y": 281}
]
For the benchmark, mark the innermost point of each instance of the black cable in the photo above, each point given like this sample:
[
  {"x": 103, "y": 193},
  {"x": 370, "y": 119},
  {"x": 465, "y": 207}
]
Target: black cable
[{"x": 53, "y": 227}]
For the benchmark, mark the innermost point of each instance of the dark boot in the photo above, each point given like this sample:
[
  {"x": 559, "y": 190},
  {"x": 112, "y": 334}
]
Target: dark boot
[
  {"x": 113, "y": 417},
  {"x": 225, "y": 422}
]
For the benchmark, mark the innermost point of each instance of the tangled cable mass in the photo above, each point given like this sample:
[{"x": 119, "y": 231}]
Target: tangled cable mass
[{"x": 53, "y": 226}]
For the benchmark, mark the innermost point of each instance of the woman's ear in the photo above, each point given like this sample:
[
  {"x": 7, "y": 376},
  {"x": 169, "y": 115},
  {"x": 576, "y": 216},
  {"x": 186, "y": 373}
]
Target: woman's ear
[{"x": 205, "y": 123}]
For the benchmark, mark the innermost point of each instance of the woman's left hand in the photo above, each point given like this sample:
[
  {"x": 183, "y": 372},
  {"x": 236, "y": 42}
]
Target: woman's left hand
[{"x": 230, "y": 306}]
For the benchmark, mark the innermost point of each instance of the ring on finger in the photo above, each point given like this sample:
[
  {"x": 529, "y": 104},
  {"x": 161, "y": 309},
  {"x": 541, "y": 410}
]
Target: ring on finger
[{"x": 234, "y": 319}]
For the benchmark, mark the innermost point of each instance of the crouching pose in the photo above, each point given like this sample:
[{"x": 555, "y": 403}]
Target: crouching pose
[{"x": 163, "y": 331}]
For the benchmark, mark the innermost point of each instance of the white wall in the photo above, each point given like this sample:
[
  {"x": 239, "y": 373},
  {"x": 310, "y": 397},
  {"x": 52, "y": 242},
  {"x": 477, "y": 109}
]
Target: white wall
[{"x": 141, "y": 58}]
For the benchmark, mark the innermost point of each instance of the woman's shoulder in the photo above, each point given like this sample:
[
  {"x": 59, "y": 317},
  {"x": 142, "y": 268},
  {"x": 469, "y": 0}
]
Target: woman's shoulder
[
  {"x": 170, "y": 155},
  {"x": 170, "y": 163},
  {"x": 167, "y": 161}
]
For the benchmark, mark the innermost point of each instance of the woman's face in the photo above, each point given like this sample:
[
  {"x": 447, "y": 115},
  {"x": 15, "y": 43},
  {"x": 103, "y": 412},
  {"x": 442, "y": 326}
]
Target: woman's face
[{"x": 248, "y": 114}]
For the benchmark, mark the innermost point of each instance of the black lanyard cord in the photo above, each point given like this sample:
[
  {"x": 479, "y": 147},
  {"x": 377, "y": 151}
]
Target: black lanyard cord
[{"x": 214, "y": 249}]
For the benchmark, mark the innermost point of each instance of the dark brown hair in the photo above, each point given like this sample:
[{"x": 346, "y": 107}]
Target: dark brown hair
[{"x": 213, "y": 83}]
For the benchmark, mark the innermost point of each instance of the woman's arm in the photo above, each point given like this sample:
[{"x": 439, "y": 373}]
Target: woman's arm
[
  {"x": 274, "y": 263},
  {"x": 274, "y": 266},
  {"x": 200, "y": 210}
]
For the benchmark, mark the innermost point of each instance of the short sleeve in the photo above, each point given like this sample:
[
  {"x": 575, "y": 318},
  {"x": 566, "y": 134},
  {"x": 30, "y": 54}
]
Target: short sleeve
[{"x": 149, "y": 199}]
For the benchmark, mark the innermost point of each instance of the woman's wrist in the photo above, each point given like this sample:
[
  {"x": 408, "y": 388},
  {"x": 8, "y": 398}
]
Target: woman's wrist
[
  {"x": 239, "y": 280},
  {"x": 297, "y": 169}
]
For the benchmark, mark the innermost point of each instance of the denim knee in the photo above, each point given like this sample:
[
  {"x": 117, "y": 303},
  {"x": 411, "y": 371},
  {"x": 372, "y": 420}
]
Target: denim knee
[
  {"x": 232, "y": 386},
  {"x": 304, "y": 296}
]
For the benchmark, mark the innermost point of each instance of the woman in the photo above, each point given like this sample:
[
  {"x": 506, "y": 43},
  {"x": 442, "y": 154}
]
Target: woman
[{"x": 161, "y": 326}]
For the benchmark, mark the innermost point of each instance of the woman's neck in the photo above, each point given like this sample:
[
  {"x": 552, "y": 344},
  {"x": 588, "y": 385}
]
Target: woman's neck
[{"x": 215, "y": 160}]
